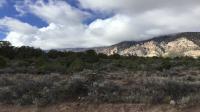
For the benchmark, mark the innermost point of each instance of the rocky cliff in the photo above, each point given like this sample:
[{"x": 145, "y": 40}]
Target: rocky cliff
[{"x": 181, "y": 44}]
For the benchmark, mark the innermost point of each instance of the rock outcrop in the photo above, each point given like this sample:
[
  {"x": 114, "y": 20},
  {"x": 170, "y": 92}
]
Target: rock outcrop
[{"x": 182, "y": 44}]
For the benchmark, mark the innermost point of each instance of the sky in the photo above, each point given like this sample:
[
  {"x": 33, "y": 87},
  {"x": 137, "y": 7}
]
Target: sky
[{"x": 53, "y": 24}]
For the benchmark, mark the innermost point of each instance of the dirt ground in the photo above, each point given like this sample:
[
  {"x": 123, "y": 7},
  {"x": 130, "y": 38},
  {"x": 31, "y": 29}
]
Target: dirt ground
[{"x": 75, "y": 107}]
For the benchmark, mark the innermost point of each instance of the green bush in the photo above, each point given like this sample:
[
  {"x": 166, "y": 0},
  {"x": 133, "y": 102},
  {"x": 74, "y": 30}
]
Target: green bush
[
  {"x": 54, "y": 54},
  {"x": 115, "y": 56},
  {"x": 165, "y": 65},
  {"x": 3, "y": 62},
  {"x": 103, "y": 56},
  {"x": 76, "y": 65},
  {"x": 90, "y": 56},
  {"x": 52, "y": 67}
]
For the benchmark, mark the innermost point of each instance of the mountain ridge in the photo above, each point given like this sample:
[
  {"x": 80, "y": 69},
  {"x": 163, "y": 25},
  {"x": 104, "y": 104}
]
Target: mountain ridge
[{"x": 171, "y": 45}]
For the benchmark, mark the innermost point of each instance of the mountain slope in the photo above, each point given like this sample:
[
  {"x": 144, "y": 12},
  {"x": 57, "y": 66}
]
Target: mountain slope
[{"x": 181, "y": 44}]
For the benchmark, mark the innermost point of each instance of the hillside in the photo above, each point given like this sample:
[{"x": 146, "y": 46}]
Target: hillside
[
  {"x": 180, "y": 44},
  {"x": 33, "y": 77}
]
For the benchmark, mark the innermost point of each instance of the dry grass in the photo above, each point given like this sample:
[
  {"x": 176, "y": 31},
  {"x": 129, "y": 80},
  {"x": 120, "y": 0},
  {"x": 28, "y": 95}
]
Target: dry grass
[
  {"x": 77, "y": 107},
  {"x": 122, "y": 86}
]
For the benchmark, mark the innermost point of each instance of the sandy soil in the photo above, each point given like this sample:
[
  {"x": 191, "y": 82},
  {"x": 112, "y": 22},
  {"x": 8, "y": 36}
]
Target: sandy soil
[{"x": 75, "y": 107}]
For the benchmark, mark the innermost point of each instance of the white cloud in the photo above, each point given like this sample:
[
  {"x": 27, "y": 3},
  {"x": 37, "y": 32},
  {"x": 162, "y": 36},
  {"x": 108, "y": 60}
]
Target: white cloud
[
  {"x": 132, "y": 20},
  {"x": 137, "y": 6},
  {"x": 53, "y": 11},
  {"x": 115, "y": 29},
  {"x": 17, "y": 26},
  {"x": 65, "y": 27},
  {"x": 18, "y": 39},
  {"x": 52, "y": 36},
  {"x": 57, "y": 12}
]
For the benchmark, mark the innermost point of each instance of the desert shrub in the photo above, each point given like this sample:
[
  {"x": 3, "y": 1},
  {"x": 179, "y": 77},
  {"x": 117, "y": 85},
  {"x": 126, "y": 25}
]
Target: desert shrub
[
  {"x": 93, "y": 77},
  {"x": 49, "y": 89},
  {"x": 4, "y": 44},
  {"x": 102, "y": 56},
  {"x": 4, "y": 81},
  {"x": 25, "y": 99},
  {"x": 41, "y": 61},
  {"x": 3, "y": 62},
  {"x": 6, "y": 50},
  {"x": 26, "y": 52},
  {"x": 52, "y": 67},
  {"x": 165, "y": 65},
  {"x": 190, "y": 100},
  {"x": 77, "y": 88},
  {"x": 6, "y": 95},
  {"x": 104, "y": 92},
  {"x": 90, "y": 56},
  {"x": 55, "y": 54},
  {"x": 175, "y": 90},
  {"x": 76, "y": 65},
  {"x": 127, "y": 63},
  {"x": 23, "y": 91},
  {"x": 115, "y": 56},
  {"x": 50, "y": 95},
  {"x": 20, "y": 63}
]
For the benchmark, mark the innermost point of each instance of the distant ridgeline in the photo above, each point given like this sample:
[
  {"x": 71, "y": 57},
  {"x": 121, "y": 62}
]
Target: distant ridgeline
[{"x": 174, "y": 45}]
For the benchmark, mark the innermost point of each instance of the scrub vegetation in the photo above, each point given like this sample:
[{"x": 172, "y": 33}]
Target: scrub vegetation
[{"x": 33, "y": 76}]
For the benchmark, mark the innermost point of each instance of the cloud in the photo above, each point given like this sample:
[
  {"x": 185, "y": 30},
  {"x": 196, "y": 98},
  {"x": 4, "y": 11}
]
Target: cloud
[
  {"x": 65, "y": 27},
  {"x": 17, "y": 26},
  {"x": 52, "y": 36},
  {"x": 2, "y": 3},
  {"x": 114, "y": 29},
  {"x": 19, "y": 33},
  {"x": 57, "y": 12},
  {"x": 131, "y": 20},
  {"x": 137, "y": 6}
]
